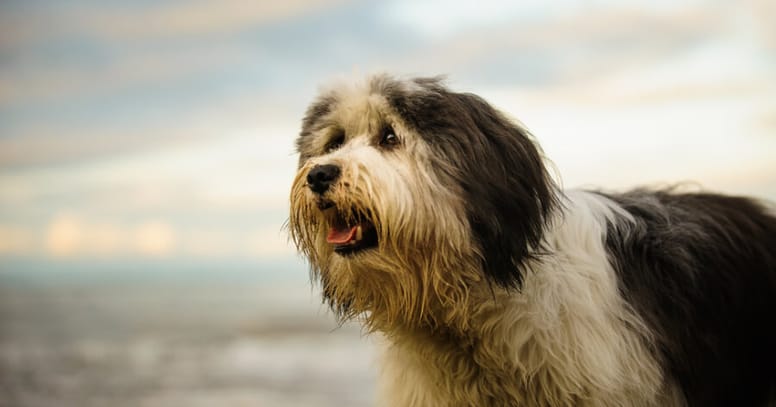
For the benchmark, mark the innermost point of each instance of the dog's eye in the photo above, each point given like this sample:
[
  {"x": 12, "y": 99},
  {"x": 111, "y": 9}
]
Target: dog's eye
[
  {"x": 388, "y": 137},
  {"x": 335, "y": 142}
]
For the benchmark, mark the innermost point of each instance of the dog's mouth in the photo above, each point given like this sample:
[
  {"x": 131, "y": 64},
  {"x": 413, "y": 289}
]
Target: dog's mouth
[{"x": 350, "y": 233}]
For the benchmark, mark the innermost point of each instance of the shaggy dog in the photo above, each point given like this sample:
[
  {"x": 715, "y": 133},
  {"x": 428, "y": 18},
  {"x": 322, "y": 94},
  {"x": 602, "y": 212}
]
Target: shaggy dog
[{"x": 430, "y": 217}]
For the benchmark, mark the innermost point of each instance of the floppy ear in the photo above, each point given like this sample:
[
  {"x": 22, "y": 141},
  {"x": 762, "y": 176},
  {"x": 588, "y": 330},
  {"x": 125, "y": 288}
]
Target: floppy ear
[
  {"x": 509, "y": 193},
  {"x": 494, "y": 163}
]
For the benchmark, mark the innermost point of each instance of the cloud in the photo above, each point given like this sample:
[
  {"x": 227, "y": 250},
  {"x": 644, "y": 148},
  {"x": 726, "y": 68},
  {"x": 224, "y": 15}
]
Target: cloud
[
  {"x": 16, "y": 240},
  {"x": 195, "y": 18},
  {"x": 270, "y": 243},
  {"x": 570, "y": 47},
  {"x": 75, "y": 236},
  {"x": 52, "y": 143},
  {"x": 65, "y": 236},
  {"x": 154, "y": 238},
  {"x": 201, "y": 199},
  {"x": 23, "y": 26},
  {"x": 238, "y": 179},
  {"x": 85, "y": 79},
  {"x": 69, "y": 235},
  {"x": 84, "y": 83}
]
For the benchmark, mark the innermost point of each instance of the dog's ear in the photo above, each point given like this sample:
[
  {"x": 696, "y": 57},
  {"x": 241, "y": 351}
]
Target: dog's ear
[
  {"x": 495, "y": 164},
  {"x": 509, "y": 193}
]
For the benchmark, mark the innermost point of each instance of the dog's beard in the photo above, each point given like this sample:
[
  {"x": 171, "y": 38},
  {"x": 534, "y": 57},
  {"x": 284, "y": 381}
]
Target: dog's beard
[{"x": 386, "y": 249}]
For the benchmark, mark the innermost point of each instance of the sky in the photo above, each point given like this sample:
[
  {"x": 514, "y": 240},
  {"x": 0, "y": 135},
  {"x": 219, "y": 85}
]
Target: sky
[{"x": 165, "y": 129}]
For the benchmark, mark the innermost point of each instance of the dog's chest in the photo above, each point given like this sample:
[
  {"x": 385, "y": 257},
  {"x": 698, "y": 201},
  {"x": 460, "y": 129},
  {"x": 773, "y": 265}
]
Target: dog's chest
[
  {"x": 437, "y": 374},
  {"x": 531, "y": 369}
]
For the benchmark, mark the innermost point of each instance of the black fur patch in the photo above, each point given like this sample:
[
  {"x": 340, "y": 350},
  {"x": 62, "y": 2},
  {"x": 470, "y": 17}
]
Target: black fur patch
[
  {"x": 317, "y": 110},
  {"x": 507, "y": 191},
  {"x": 701, "y": 270}
]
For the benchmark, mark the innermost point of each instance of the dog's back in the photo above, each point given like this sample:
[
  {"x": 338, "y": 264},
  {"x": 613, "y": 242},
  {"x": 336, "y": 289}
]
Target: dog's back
[{"x": 701, "y": 270}]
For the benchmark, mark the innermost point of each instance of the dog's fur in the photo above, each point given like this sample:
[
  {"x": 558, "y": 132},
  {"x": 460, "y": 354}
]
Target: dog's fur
[{"x": 493, "y": 287}]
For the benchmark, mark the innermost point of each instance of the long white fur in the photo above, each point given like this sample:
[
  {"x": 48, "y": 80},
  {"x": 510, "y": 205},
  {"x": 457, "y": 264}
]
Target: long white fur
[{"x": 566, "y": 339}]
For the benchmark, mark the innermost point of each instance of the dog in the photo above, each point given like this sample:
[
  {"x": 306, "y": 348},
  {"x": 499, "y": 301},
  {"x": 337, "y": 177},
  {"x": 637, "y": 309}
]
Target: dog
[{"x": 430, "y": 217}]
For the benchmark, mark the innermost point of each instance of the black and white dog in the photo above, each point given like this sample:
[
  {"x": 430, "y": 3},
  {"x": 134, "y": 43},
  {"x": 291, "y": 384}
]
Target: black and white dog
[{"x": 430, "y": 217}]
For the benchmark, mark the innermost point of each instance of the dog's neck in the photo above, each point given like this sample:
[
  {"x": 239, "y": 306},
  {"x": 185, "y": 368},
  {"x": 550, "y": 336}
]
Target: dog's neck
[{"x": 455, "y": 330}]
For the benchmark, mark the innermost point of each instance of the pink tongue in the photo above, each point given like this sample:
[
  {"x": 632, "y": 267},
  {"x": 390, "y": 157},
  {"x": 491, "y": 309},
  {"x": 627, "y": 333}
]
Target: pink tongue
[{"x": 341, "y": 236}]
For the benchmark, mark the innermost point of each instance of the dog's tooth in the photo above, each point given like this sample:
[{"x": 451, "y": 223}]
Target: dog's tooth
[{"x": 359, "y": 232}]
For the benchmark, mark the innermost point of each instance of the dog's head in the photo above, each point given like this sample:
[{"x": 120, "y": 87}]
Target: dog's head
[{"x": 410, "y": 197}]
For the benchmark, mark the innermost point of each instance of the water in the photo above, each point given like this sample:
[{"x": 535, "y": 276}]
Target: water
[{"x": 171, "y": 339}]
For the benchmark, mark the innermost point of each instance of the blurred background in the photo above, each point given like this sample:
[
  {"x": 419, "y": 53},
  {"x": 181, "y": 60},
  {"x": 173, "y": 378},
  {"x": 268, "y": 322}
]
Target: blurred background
[{"x": 146, "y": 153}]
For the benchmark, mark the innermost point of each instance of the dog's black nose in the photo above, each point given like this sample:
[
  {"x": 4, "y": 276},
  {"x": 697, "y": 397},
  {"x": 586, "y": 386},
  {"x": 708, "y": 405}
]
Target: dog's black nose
[{"x": 321, "y": 177}]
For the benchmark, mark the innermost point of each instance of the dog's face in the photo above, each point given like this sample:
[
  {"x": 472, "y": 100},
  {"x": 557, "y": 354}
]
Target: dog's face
[{"x": 410, "y": 198}]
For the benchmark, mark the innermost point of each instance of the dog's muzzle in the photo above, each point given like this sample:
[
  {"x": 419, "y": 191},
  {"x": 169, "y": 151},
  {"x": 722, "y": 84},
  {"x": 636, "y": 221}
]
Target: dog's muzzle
[{"x": 350, "y": 231}]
